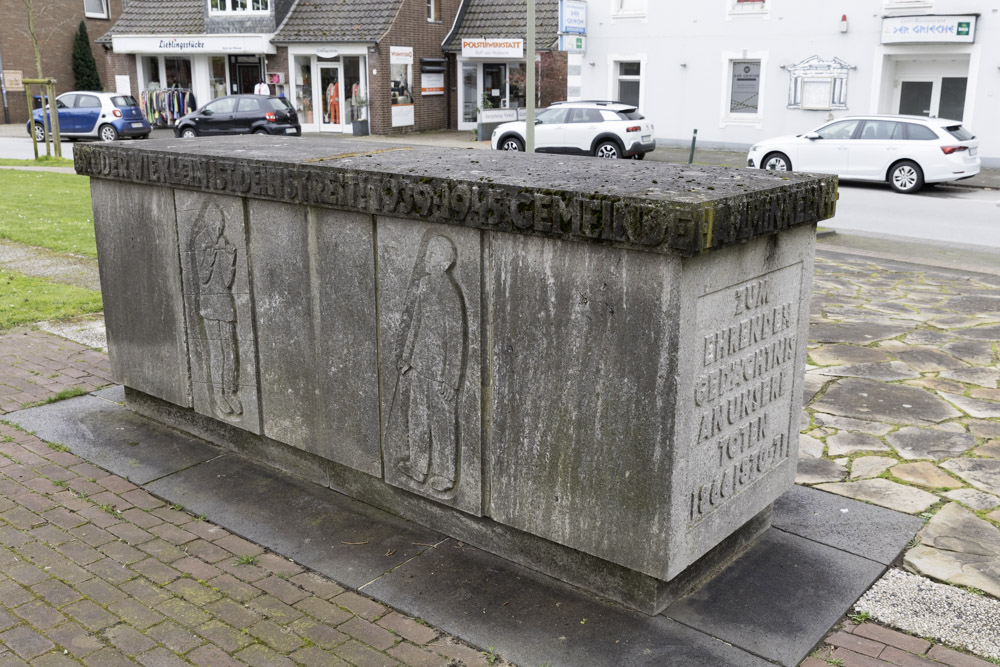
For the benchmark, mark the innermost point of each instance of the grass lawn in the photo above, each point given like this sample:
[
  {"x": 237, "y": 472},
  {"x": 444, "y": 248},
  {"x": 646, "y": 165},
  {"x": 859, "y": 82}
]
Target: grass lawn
[
  {"x": 47, "y": 210},
  {"x": 26, "y": 300},
  {"x": 42, "y": 161}
]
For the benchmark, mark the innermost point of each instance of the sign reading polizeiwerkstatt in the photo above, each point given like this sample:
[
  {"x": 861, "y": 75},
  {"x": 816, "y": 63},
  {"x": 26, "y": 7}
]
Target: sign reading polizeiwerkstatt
[{"x": 929, "y": 29}]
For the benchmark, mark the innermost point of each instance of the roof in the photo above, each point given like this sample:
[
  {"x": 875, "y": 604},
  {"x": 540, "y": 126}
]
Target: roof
[
  {"x": 504, "y": 18},
  {"x": 337, "y": 21},
  {"x": 158, "y": 17}
]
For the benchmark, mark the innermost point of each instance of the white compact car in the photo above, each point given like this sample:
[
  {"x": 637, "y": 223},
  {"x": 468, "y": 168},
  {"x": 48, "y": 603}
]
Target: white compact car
[
  {"x": 588, "y": 127},
  {"x": 905, "y": 151}
]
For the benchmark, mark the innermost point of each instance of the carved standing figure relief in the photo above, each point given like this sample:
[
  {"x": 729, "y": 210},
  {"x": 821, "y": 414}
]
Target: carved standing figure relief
[
  {"x": 430, "y": 365},
  {"x": 215, "y": 257}
]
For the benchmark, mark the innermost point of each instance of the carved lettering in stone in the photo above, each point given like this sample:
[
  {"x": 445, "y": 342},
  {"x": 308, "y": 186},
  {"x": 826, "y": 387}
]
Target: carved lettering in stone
[
  {"x": 215, "y": 258},
  {"x": 742, "y": 393},
  {"x": 430, "y": 365}
]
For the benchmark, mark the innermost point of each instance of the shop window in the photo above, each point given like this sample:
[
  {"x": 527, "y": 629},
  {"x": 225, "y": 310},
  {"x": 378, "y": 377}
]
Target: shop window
[
  {"x": 178, "y": 72},
  {"x": 432, "y": 11},
  {"x": 239, "y": 5},
  {"x": 469, "y": 102},
  {"x": 628, "y": 82},
  {"x": 816, "y": 83},
  {"x": 354, "y": 93},
  {"x": 402, "y": 83},
  {"x": 628, "y": 8},
  {"x": 217, "y": 76},
  {"x": 151, "y": 70},
  {"x": 744, "y": 87},
  {"x": 517, "y": 85},
  {"x": 95, "y": 9},
  {"x": 303, "y": 89},
  {"x": 401, "y": 80}
]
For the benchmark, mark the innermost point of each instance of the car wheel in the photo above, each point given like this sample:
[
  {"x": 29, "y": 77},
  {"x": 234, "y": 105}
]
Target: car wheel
[
  {"x": 906, "y": 177},
  {"x": 608, "y": 150},
  {"x": 189, "y": 133},
  {"x": 107, "y": 133},
  {"x": 776, "y": 162},
  {"x": 511, "y": 144},
  {"x": 639, "y": 156},
  {"x": 260, "y": 131},
  {"x": 39, "y": 132}
]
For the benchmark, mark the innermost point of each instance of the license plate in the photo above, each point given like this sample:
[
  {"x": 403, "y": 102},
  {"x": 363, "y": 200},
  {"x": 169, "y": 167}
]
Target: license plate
[
  {"x": 289, "y": 130},
  {"x": 646, "y": 138},
  {"x": 973, "y": 151},
  {"x": 136, "y": 124}
]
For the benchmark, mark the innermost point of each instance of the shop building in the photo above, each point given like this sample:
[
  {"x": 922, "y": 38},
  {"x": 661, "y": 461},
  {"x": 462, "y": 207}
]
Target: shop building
[
  {"x": 487, "y": 57},
  {"x": 744, "y": 70}
]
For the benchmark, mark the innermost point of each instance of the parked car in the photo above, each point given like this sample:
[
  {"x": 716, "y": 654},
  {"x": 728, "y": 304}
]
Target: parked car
[
  {"x": 85, "y": 114},
  {"x": 905, "y": 151},
  {"x": 240, "y": 114},
  {"x": 588, "y": 127}
]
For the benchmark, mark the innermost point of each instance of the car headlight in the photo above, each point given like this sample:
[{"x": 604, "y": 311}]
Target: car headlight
[{"x": 754, "y": 148}]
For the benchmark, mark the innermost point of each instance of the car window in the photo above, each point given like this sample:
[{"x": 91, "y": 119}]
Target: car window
[
  {"x": 959, "y": 132},
  {"x": 843, "y": 129},
  {"x": 916, "y": 132},
  {"x": 278, "y": 103},
  {"x": 630, "y": 114},
  {"x": 248, "y": 104},
  {"x": 65, "y": 101},
  {"x": 87, "y": 102},
  {"x": 224, "y": 105},
  {"x": 610, "y": 115},
  {"x": 550, "y": 116},
  {"x": 121, "y": 101},
  {"x": 882, "y": 130},
  {"x": 585, "y": 116}
]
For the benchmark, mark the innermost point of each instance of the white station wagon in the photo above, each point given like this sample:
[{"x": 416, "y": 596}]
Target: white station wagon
[{"x": 905, "y": 151}]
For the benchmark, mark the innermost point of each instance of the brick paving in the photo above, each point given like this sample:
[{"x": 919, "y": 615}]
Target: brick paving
[
  {"x": 94, "y": 570},
  {"x": 871, "y": 645}
]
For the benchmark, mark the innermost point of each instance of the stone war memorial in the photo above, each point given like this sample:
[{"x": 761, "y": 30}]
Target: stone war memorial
[{"x": 591, "y": 368}]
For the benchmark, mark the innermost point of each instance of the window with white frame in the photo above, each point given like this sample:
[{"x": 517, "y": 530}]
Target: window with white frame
[
  {"x": 819, "y": 84},
  {"x": 240, "y": 6},
  {"x": 891, "y": 5},
  {"x": 95, "y": 9},
  {"x": 432, "y": 11},
  {"x": 628, "y": 82},
  {"x": 747, "y": 6},
  {"x": 744, "y": 87},
  {"x": 628, "y": 8}
]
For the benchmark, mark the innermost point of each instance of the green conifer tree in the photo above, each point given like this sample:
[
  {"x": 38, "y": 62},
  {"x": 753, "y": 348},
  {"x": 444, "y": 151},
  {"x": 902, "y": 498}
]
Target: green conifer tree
[{"x": 84, "y": 66}]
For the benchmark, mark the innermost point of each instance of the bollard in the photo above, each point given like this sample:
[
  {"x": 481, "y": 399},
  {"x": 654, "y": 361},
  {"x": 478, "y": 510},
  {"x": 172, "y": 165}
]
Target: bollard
[{"x": 694, "y": 139}]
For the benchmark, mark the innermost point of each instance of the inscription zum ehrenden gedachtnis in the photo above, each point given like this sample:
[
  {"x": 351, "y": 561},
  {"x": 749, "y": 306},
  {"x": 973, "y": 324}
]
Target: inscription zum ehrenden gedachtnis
[{"x": 743, "y": 392}]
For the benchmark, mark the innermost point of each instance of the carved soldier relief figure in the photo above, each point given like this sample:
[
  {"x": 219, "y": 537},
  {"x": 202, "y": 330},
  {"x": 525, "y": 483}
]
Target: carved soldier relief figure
[
  {"x": 430, "y": 364},
  {"x": 215, "y": 257}
]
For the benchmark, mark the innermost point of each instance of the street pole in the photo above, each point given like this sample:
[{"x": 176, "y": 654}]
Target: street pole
[{"x": 529, "y": 57}]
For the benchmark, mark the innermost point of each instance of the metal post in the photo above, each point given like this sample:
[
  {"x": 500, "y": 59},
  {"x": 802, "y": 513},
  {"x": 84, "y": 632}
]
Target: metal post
[
  {"x": 529, "y": 57},
  {"x": 54, "y": 112},
  {"x": 694, "y": 138}
]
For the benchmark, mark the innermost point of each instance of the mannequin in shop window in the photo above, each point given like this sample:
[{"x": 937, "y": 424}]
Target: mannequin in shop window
[
  {"x": 333, "y": 102},
  {"x": 261, "y": 88}
]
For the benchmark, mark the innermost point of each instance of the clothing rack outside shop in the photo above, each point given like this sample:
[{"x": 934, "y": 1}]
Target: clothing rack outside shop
[{"x": 162, "y": 107}]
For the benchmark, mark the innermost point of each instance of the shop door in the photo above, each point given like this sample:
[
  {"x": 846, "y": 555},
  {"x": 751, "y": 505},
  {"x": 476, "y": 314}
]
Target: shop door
[
  {"x": 952, "y": 103},
  {"x": 248, "y": 77},
  {"x": 915, "y": 98},
  {"x": 332, "y": 95},
  {"x": 495, "y": 84}
]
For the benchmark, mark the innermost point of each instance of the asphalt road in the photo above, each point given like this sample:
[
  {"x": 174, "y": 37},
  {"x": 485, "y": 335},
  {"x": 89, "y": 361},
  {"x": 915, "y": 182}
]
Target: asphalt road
[{"x": 951, "y": 215}]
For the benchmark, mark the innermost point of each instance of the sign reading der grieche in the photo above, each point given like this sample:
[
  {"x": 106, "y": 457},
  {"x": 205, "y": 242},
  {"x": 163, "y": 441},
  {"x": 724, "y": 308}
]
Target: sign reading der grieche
[
  {"x": 573, "y": 17},
  {"x": 929, "y": 29}
]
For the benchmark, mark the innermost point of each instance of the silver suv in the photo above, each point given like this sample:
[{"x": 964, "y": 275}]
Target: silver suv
[{"x": 587, "y": 127}]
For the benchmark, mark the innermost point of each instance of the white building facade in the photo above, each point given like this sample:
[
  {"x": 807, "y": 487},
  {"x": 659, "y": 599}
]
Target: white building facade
[{"x": 740, "y": 71}]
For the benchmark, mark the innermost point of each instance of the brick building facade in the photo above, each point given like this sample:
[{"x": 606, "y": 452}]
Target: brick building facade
[{"x": 56, "y": 24}]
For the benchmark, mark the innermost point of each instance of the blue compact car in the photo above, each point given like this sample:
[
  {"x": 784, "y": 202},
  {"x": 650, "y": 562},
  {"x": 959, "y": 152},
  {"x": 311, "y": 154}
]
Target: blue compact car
[{"x": 90, "y": 115}]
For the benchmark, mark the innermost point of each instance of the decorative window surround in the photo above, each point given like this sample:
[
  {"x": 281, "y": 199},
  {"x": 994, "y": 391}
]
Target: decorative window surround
[
  {"x": 758, "y": 8},
  {"x": 628, "y": 9},
  {"x": 818, "y": 84}
]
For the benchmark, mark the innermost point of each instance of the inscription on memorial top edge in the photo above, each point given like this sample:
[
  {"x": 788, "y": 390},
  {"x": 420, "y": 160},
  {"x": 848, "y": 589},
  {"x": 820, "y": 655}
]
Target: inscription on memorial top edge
[{"x": 638, "y": 221}]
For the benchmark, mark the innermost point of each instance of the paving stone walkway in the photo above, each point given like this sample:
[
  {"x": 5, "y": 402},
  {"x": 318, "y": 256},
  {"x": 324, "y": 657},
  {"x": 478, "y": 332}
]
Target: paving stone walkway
[
  {"x": 96, "y": 570},
  {"x": 902, "y": 398},
  {"x": 871, "y": 645}
]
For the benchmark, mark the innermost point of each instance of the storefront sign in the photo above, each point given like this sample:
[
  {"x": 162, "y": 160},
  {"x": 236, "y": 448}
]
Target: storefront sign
[
  {"x": 493, "y": 48},
  {"x": 432, "y": 83},
  {"x": 12, "y": 80},
  {"x": 400, "y": 55},
  {"x": 572, "y": 43},
  {"x": 327, "y": 52},
  {"x": 929, "y": 29},
  {"x": 502, "y": 115},
  {"x": 188, "y": 44},
  {"x": 573, "y": 17}
]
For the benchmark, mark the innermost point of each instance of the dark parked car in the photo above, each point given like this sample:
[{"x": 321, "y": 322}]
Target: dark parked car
[{"x": 240, "y": 114}]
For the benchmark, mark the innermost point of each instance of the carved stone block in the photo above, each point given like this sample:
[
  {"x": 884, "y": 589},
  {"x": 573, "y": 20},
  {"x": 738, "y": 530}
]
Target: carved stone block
[
  {"x": 314, "y": 280},
  {"x": 211, "y": 233},
  {"x": 429, "y": 312}
]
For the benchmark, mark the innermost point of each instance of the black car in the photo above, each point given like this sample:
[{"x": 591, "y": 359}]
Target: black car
[{"x": 240, "y": 114}]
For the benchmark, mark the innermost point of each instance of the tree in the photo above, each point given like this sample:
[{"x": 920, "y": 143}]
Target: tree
[{"x": 84, "y": 66}]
